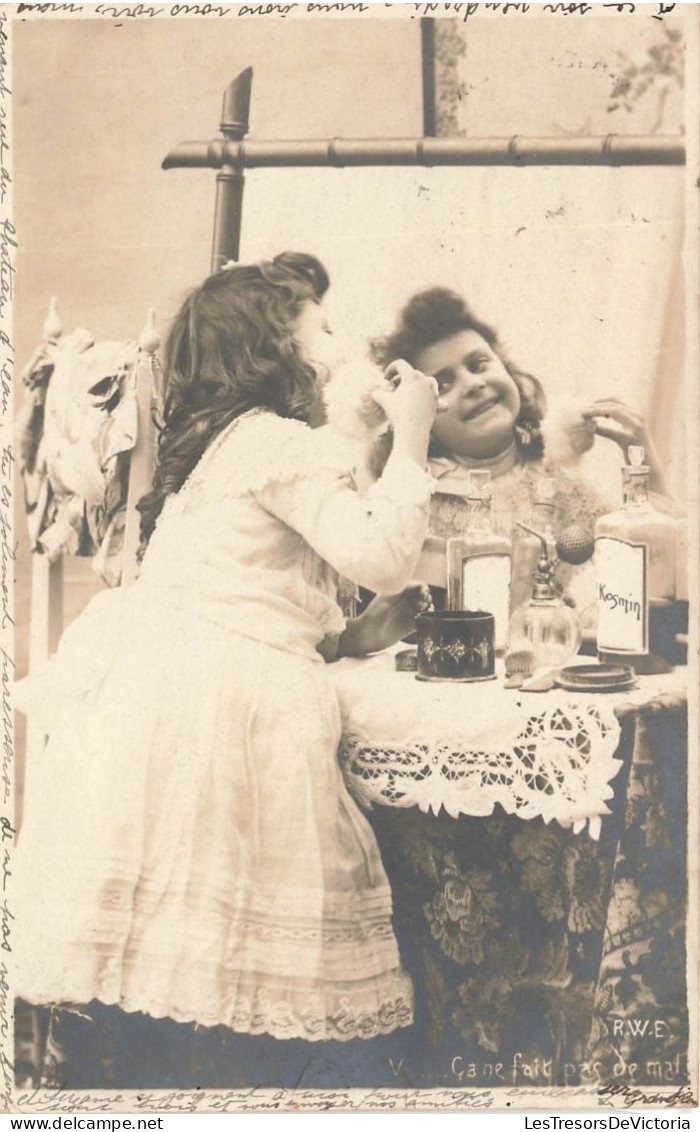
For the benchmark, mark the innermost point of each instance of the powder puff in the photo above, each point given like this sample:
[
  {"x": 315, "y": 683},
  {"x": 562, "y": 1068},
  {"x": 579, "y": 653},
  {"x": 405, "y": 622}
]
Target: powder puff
[
  {"x": 350, "y": 407},
  {"x": 567, "y": 434},
  {"x": 357, "y": 427}
]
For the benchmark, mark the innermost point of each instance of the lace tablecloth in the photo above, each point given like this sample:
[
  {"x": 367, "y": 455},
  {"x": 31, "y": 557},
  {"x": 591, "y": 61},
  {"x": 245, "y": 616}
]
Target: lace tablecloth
[
  {"x": 464, "y": 748},
  {"x": 538, "y": 957}
]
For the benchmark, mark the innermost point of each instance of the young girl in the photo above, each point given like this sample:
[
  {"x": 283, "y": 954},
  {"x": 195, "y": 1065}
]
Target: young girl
[
  {"x": 189, "y": 850},
  {"x": 491, "y": 416}
]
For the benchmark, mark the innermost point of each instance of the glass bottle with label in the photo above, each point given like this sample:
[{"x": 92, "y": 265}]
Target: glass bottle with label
[
  {"x": 527, "y": 546},
  {"x": 635, "y": 572},
  {"x": 479, "y": 562}
]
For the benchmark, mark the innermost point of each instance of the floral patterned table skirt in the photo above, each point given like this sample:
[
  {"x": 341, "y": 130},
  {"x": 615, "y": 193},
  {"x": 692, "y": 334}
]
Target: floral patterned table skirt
[{"x": 541, "y": 957}]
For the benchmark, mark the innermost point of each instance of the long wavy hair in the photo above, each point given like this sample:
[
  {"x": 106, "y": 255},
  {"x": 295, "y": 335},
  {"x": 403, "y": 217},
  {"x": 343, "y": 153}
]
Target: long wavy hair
[
  {"x": 231, "y": 349},
  {"x": 439, "y": 313}
]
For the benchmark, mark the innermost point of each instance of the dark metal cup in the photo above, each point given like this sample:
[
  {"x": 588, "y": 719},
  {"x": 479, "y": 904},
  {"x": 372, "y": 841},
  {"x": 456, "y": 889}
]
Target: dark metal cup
[{"x": 456, "y": 644}]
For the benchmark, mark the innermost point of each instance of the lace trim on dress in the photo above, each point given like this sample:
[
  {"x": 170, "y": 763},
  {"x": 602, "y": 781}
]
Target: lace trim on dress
[
  {"x": 256, "y": 449},
  {"x": 258, "y": 961},
  {"x": 260, "y": 448},
  {"x": 252, "y": 1003},
  {"x": 314, "y": 1013}
]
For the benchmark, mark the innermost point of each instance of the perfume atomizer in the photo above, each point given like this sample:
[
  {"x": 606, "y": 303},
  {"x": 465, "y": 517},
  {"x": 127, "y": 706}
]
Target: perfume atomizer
[{"x": 544, "y": 632}]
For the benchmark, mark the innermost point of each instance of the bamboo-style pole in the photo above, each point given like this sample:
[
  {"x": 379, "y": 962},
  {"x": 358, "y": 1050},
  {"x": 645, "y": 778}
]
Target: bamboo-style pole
[
  {"x": 427, "y": 42},
  {"x": 615, "y": 149},
  {"x": 229, "y": 180},
  {"x": 230, "y": 155}
]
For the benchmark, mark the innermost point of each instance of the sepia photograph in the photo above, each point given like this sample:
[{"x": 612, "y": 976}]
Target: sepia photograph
[{"x": 349, "y": 520}]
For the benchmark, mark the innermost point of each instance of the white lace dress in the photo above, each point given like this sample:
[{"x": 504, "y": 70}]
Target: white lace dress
[{"x": 189, "y": 848}]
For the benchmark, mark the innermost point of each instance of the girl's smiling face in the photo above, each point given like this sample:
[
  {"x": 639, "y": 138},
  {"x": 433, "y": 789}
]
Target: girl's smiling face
[{"x": 479, "y": 400}]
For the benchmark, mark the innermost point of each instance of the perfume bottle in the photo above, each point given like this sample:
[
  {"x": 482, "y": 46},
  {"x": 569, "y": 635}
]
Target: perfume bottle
[
  {"x": 479, "y": 562},
  {"x": 635, "y": 573},
  {"x": 527, "y": 545},
  {"x": 544, "y": 627}
]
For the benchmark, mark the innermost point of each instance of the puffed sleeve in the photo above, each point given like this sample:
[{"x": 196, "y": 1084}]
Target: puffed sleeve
[
  {"x": 374, "y": 539},
  {"x": 300, "y": 476}
]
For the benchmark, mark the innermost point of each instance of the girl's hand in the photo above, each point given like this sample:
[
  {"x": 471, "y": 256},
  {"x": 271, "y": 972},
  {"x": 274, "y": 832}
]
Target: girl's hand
[
  {"x": 625, "y": 426},
  {"x": 617, "y": 422},
  {"x": 409, "y": 400},
  {"x": 394, "y": 617},
  {"x": 386, "y": 620}
]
